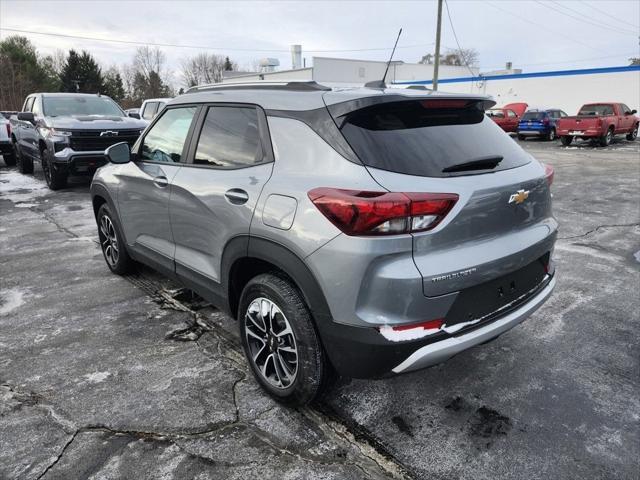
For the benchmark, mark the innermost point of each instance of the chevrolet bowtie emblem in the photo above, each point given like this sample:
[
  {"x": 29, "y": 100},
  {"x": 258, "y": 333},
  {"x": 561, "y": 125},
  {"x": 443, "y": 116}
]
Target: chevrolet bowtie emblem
[{"x": 519, "y": 197}]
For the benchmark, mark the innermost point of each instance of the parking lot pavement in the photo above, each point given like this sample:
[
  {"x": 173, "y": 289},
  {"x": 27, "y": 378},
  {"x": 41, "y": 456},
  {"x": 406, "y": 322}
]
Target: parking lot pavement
[{"x": 99, "y": 376}]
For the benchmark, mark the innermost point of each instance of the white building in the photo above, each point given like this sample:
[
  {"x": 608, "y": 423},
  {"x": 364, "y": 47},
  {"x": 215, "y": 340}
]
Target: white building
[
  {"x": 564, "y": 89},
  {"x": 349, "y": 72}
]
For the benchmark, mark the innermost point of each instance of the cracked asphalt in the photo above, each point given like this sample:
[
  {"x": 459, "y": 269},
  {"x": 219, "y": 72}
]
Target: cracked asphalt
[{"x": 105, "y": 377}]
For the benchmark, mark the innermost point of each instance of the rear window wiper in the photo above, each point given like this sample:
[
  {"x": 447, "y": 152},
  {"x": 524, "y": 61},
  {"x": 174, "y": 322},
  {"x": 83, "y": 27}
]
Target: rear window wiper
[{"x": 482, "y": 163}]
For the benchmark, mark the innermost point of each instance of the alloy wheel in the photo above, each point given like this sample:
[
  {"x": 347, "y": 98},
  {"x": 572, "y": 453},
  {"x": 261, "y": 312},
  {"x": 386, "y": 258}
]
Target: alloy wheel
[
  {"x": 109, "y": 241},
  {"x": 271, "y": 343}
]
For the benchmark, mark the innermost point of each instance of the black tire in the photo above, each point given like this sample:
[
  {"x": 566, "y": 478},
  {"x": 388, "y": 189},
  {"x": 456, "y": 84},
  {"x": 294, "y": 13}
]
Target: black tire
[
  {"x": 551, "y": 136},
  {"x": 521, "y": 137},
  {"x": 10, "y": 158},
  {"x": 55, "y": 175},
  {"x": 605, "y": 140},
  {"x": 633, "y": 134},
  {"x": 301, "y": 384},
  {"x": 118, "y": 260},
  {"x": 24, "y": 163},
  {"x": 566, "y": 140}
]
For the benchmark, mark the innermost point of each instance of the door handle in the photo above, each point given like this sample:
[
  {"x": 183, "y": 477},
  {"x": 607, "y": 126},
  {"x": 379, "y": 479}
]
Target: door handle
[
  {"x": 237, "y": 196},
  {"x": 161, "y": 181}
]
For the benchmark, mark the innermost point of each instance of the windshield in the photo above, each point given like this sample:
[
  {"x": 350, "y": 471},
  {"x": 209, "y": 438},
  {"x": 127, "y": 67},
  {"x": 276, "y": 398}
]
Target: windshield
[
  {"x": 596, "y": 110},
  {"x": 80, "y": 105},
  {"x": 533, "y": 116},
  {"x": 426, "y": 138}
]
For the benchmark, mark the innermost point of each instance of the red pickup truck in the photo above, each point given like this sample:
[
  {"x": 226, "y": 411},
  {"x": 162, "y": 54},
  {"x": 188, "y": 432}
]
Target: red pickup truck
[
  {"x": 507, "y": 117},
  {"x": 599, "y": 121}
]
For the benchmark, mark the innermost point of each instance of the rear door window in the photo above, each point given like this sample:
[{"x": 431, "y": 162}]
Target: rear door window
[
  {"x": 230, "y": 138},
  {"x": 150, "y": 110},
  {"x": 423, "y": 137}
]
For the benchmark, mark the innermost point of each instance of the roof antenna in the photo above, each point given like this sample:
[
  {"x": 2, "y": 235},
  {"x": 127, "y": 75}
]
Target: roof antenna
[{"x": 380, "y": 83}]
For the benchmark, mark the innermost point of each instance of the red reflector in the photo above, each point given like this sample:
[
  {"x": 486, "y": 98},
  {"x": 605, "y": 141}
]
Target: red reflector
[
  {"x": 549, "y": 173},
  {"x": 452, "y": 103},
  {"x": 428, "y": 325},
  {"x": 357, "y": 212}
]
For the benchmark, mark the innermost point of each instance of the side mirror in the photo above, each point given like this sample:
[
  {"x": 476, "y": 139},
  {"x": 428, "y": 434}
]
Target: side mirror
[
  {"x": 27, "y": 117},
  {"x": 118, "y": 153},
  {"x": 134, "y": 115},
  {"x": 633, "y": 112}
]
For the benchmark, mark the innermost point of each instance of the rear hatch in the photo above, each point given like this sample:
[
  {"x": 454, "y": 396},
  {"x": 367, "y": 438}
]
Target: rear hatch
[
  {"x": 501, "y": 223},
  {"x": 533, "y": 121}
]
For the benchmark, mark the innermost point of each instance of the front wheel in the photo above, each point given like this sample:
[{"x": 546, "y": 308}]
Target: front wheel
[
  {"x": 112, "y": 242},
  {"x": 566, "y": 141},
  {"x": 634, "y": 134},
  {"x": 280, "y": 340},
  {"x": 24, "y": 163},
  {"x": 55, "y": 175}
]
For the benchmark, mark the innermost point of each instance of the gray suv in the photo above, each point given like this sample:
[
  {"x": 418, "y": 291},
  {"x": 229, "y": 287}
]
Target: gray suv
[{"x": 364, "y": 231}]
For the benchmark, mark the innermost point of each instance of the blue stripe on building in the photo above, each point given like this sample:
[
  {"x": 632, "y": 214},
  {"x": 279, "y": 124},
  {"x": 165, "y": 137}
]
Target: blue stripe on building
[{"x": 556, "y": 73}]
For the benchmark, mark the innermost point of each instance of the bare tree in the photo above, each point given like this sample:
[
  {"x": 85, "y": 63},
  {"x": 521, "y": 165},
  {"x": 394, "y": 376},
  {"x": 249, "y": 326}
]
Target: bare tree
[
  {"x": 202, "y": 69},
  {"x": 454, "y": 56},
  {"x": 147, "y": 60}
]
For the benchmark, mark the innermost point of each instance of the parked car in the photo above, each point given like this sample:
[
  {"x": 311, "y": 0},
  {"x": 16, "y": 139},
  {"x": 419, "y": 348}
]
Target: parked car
[
  {"x": 518, "y": 107},
  {"x": 6, "y": 148},
  {"x": 151, "y": 107},
  {"x": 539, "y": 123},
  {"x": 370, "y": 231},
  {"x": 505, "y": 118},
  {"x": 601, "y": 121},
  {"x": 68, "y": 133},
  {"x": 133, "y": 113}
]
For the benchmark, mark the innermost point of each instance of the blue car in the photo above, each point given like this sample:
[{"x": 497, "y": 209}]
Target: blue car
[{"x": 539, "y": 123}]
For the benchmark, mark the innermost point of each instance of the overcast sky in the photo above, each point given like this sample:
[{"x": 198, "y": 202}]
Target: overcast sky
[{"x": 534, "y": 35}]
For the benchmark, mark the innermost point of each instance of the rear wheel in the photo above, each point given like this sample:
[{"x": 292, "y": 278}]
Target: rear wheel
[
  {"x": 24, "y": 163},
  {"x": 55, "y": 175},
  {"x": 566, "y": 140},
  {"x": 634, "y": 134},
  {"x": 521, "y": 137},
  {"x": 551, "y": 135},
  {"x": 605, "y": 140},
  {"x": 112, "y": 242},
  {"x": 280, "y": 340}
]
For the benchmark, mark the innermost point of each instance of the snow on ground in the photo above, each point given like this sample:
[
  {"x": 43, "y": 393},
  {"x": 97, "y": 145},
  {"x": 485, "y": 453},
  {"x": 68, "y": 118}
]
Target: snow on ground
[
  {"x": 10, "y": 300},
  {"x": 20, "y": 188}
]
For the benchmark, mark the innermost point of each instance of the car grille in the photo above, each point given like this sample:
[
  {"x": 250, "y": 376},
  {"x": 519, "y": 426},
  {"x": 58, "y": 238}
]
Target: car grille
[{"x": 92, "y": 141}]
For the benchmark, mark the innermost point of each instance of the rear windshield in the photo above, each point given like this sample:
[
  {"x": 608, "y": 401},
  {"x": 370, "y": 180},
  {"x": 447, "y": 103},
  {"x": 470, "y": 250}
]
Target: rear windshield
[
  {"x": 533, "y": 116},
  {"x": 80, "y": 105},
  {"x": 596, "y": 110},
  {"x": 425, "y": 137}
]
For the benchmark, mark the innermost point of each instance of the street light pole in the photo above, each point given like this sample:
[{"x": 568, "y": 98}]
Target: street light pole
[{"x": 436, "y": 63}]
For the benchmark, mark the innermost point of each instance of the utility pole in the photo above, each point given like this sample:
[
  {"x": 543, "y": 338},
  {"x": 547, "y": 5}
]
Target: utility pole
[{"x": 436, "y": 63}]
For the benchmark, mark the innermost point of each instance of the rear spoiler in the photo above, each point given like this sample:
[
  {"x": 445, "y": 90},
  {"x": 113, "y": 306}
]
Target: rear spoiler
[{"x": 343, "y": 108}]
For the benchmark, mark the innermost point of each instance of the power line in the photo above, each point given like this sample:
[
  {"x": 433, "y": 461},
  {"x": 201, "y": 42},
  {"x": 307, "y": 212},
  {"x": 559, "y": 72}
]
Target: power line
[
  {"x": 544, "y": 27},
  {"x": 602, "y": 12},
  {"x": 584, "y": 19},
  {"x": 203, "y": 47},
  {"x": 461, "y": 53}
]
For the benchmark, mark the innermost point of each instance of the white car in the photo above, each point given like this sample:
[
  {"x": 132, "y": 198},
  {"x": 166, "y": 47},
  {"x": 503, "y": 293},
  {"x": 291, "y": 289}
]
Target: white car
[
  {"x": 6, "y": 147},
  {"x": 151, "y": 107}
]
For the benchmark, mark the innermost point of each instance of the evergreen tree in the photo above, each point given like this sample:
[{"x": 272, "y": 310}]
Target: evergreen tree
[
  {"x": 113, "y": 85},
  {"x": 81, "y": 73}
]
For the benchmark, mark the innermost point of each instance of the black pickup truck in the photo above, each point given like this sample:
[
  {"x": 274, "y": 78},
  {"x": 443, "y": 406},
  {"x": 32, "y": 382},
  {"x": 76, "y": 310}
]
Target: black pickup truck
[{"x": 68, "y": 133}]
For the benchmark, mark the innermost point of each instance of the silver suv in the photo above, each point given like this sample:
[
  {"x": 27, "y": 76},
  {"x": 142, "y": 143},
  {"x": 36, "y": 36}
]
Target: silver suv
[{"x": 364, "y": 231}]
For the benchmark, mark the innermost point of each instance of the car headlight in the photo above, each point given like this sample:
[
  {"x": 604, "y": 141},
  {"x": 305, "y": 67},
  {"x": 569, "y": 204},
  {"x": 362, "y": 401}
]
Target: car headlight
[{"x": 53, "y": 132}]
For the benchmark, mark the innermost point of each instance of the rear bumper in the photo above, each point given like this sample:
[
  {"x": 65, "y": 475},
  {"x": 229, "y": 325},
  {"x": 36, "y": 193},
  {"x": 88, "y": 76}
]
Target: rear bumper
[
  {"x": 582, "y": 134},
  {"x": 362, "y": 352},
  {"x": 533, "y": 133}
]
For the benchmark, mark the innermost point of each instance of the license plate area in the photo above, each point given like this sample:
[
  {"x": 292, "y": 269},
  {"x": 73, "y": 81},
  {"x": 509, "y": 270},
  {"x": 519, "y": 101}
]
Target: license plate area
[
  {"x": 576, "y": 132},
  {"x": 484, "y": 299}
]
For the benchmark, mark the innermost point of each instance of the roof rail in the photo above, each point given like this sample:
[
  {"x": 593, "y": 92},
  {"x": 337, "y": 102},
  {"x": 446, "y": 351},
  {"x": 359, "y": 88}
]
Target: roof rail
[{"x": 306, "y": 86}]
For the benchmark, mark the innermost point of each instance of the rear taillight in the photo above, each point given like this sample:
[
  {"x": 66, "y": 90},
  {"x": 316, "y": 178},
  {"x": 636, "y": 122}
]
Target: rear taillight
[
  {"x": 549, "y": 173},
  {"x": 357, "y": 212}
]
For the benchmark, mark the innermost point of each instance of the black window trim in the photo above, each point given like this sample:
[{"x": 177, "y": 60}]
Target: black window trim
[
  {"x": 185, "y": 148},
  {"x": 32, "y": 99},
  {"x": 263, "y": 133}
]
